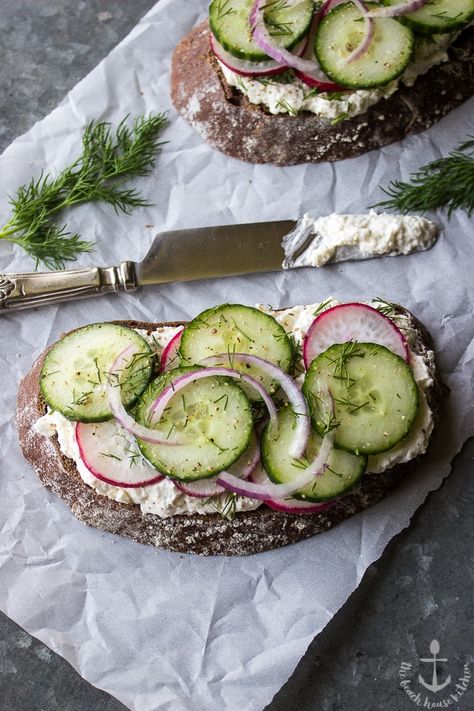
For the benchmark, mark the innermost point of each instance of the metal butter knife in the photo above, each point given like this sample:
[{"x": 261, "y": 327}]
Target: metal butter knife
[
  {"x": 181, "y": 255},
  {"x": 185, "y": 255}
]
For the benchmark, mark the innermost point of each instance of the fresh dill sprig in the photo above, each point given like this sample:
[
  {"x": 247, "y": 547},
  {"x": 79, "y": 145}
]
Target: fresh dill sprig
[
  {"x": 109, "y": 158},
  {"x": 446, "y": 183}
]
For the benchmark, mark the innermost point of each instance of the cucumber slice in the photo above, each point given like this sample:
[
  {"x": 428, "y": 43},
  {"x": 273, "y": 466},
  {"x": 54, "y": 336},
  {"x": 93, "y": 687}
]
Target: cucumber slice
[
  {"x": 287, "y": 22},
  {"x": 343, "y": 474},
  {"x": 213, "y": 418},
  {"x": 74, "y": 375},
  {"x": 233, "y": 328},
  {"x": 342, "y": 30},
  {"x": 374, "y": 392},
  {"x": 438, "y": 16}
]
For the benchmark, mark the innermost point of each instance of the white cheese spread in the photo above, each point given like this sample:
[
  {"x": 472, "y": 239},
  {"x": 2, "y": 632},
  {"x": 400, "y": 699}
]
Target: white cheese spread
[
  {"x": 343, "y": 237},
  {"x": 293, "y": 97},
  {"x": 165, "y": 500}
]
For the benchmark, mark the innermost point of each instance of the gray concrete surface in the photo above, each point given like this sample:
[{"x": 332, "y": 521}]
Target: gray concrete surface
[{"x": 422, "y": 588}]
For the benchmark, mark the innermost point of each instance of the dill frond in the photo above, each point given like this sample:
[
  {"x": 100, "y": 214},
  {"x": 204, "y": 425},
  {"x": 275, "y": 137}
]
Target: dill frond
[
  {"x": 109, "y": 158},
  {"x": 446, "y": 184}
]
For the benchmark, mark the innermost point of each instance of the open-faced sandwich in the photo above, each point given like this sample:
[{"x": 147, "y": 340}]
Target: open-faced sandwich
[
  {"x": 243, "y": 430},
  {"x": 294, "y": 81}
]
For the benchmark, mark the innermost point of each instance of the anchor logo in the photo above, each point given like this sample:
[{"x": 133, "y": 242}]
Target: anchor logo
[{"x": 435, "y": 686}]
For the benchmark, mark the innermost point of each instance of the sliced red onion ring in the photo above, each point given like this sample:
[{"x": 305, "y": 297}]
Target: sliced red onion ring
[
  {"x": 369, "y": 26},
  {"x": 326, "y": 85},
  {"x": 287, "y": 384},
  {"x": 352, "y": 322},
  {"x": 397, "y": 10},
  {"x": 245, "y": 68},
  {"x": 288, "y": 505},
  {"x": 119, "y": 411},
  {"x": 269, "y": 490},
  {"x": 368, "y": 33},
  {"x": 280, "y": 491},
  {"x": 268, "y": 45},
  {"x": 330, "y": 5},
  {"x": 158, "y": 406},
  {"x": 242, "y": 468},
  {"x": 169, "y": 355}
]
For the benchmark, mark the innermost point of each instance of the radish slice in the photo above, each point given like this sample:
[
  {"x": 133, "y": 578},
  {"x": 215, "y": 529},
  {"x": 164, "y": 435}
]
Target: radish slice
[
  {"x": 317, "y": 84},
  {"x": 287, "y": 384},
  {"x": 269, "y": 490},
  {"x": 267, "y": 43},
  {"x": 288, "y": 505},
  {"x": 201, "y": 489},
  {"x": 112, "y": 456},
  {"x": 294, "y": 506},
  {"x": 242, "y": 468},
  {"x": 118, "y": 410},
  {"x": 352, "y": 322},
  {"x": 158, "y": 406},
  {"x": 169, "y": 358},
  {"x": 397, "y": 10},
  {"x": 244, "y": 67}
]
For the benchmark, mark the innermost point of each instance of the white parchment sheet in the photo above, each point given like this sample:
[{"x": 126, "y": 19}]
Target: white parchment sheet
[{"x": 166, "y": 631}]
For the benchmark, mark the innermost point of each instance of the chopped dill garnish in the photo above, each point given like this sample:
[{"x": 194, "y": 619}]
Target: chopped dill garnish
[{"x": 228, "y": 508}]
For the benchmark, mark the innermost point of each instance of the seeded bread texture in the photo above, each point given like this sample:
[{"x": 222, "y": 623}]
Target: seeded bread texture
[
  {"x": 228, "y": 122},
  {"x": 250, "y": 532}
]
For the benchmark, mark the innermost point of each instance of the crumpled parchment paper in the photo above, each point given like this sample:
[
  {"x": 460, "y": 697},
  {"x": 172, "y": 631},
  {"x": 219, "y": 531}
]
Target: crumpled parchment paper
[{"x": 166, "y": 631}]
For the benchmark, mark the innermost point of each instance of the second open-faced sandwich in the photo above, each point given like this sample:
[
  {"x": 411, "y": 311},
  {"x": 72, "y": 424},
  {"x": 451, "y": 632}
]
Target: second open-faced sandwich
[{"x": 293, "y": 81}]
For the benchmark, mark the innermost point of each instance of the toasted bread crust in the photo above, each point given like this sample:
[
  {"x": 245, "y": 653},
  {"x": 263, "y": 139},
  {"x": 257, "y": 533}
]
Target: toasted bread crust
[
  {"x": 229, "y": 123},
  {"x": 250, "y": 532}
]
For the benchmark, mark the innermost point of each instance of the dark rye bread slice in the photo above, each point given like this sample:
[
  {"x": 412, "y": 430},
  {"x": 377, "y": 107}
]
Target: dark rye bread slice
[
  {"x": 228, "y": 122},
  {"x": 250, "y": 532}
]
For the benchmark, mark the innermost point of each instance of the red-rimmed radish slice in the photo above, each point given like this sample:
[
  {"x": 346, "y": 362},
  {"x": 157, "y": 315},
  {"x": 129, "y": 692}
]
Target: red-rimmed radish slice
[
  {"x": 116, "y": 405},
  {"x": 288, "y": 505},
  {"x": 267, "y": 44},
  {"x": 318, "y": 84},
  {"x": 294, "y": 506},
  {"x": 269, "y": 490},
  {"x": 404, "y": 8},
  {"x": 242, "y": 468},
  {"x": 244, "y": 67},
  {"x": 158, "y": 406},
  {"x": 201, "y": 489},
  {"x": 112, "y": 456},
  {"x": 352, "y": 322},
  {"x": 289, "y": 387},
  {"x": 169, "y": 357}
]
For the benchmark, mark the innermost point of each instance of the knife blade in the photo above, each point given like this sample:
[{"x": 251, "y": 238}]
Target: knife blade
[
  {"x": 179, "y": 255},
  {"x": 185, "y": 255}
]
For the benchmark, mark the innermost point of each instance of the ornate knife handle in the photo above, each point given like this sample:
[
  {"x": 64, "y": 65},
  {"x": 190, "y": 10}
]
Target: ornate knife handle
[{"x": 23, "y": 291}]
